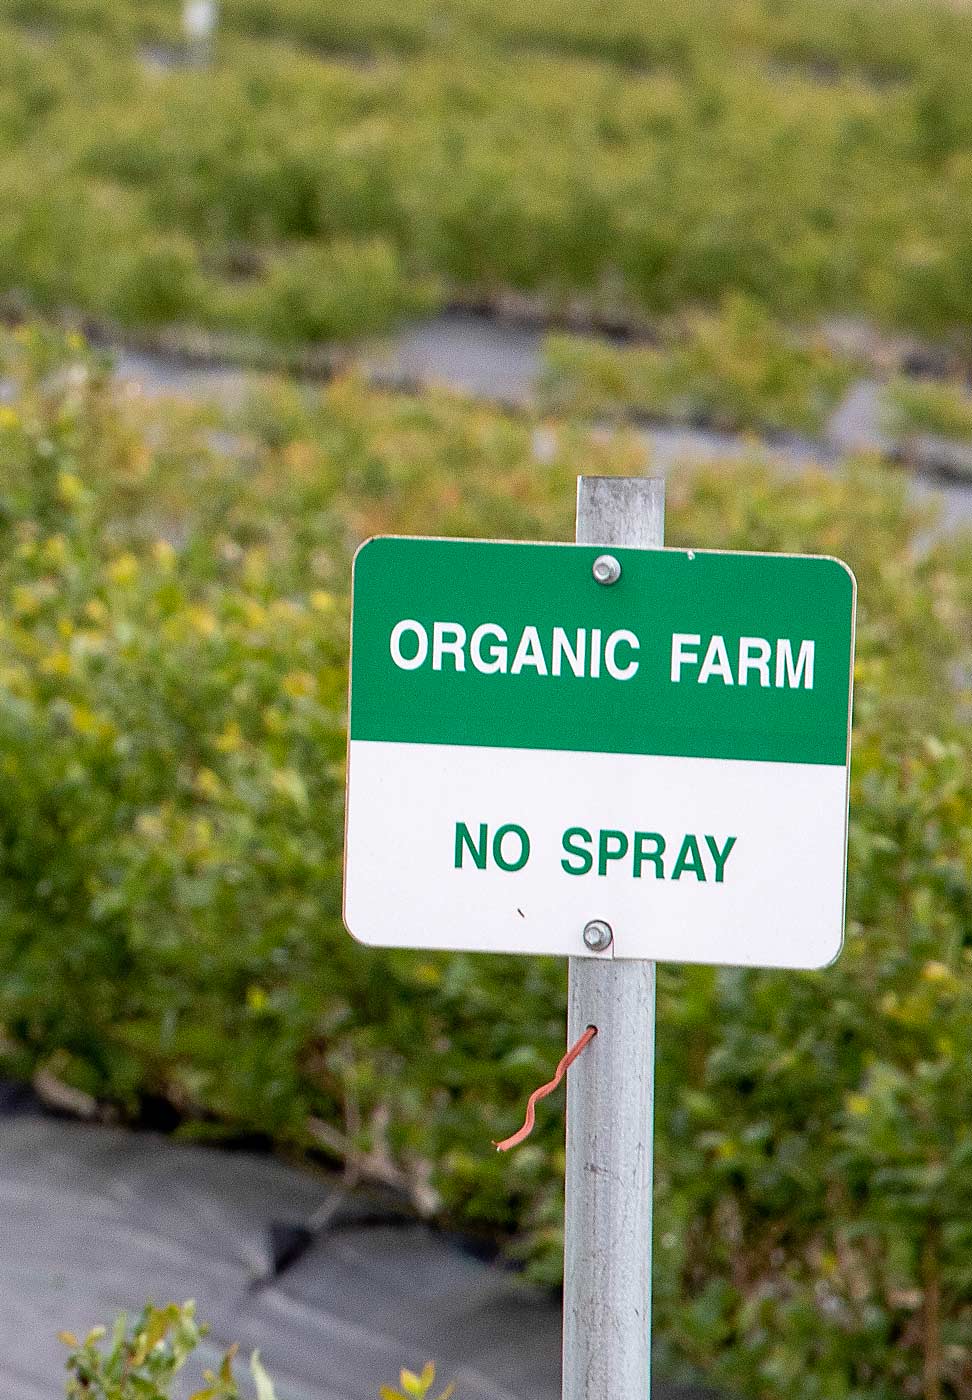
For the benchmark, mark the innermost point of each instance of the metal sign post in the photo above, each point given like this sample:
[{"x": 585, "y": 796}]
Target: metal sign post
[
  {"x": 199, "y": 20},
  {"x": 616, "y": 752},
  {"x": 610, "y": 1091}
]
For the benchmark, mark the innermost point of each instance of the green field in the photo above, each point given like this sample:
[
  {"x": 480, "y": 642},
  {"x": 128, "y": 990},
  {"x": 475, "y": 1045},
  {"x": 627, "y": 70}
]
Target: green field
[{"x": 340, "y": 167}]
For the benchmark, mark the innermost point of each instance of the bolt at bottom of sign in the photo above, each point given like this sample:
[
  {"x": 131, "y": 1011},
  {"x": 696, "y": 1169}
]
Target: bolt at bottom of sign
[{"x": 598, "y": 935}]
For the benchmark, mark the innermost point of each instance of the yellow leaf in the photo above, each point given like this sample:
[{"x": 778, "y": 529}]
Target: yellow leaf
[
  {"x": 68, "y": 1338},
  {"x": 936, "y": 972},
  {"x": 202, "y": 620},
  {"x": 230, "y": 740},
  {"x": 56, "y": 663},
  {"x": 208, "y": 783},
  {"x": 83, "y": 720},
  {"x": 69, "y": 488},
  {"x": 163, "y": 554},
  {"x": 287, "y": 783},
  {"x": 25, "y": 601},
  {"x": 226, "y": 1369},
  {"x": 124, "y": 569},
  {"x": 298, "y": 684}
]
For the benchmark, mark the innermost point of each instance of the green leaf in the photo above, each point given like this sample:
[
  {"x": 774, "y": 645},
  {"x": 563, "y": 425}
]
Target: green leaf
[{"x": 264, "y": 1386}]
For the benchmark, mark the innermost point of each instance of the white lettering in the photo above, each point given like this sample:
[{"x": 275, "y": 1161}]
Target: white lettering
[
  {"x": 681, "y": 656},
  {"x": 497, "y": 654},
  {"x": 716, "y": 662},
  {"x": 754, "y": 655},
  {"x": 785, "y": 665},
  {"x": 529, "y": 653},
  {"x": 448, "y": 639},
  {"x": 562, "y": 650},
  {"x": 491, "y": 649},
  {"x": 616, "y": 639},
  {"x": 409, "y": 663}
]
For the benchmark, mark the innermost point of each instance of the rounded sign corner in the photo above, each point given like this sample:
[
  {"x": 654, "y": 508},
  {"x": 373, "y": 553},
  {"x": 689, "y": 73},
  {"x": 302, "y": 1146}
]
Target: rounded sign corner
[
  {"x": 347, "y": 918},
  {"x": 358, "y": 938},
  {"x": 822, "y": 967},
  {"x": 363, "y": 547},
  {"x": 843, "y": 566}
]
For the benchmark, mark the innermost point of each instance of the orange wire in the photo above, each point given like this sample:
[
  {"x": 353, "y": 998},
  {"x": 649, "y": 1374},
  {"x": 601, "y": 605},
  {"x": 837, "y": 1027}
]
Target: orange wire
[{"x": 544, "y": 1090}]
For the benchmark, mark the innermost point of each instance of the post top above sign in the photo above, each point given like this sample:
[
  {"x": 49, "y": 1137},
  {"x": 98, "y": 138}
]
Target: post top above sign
[{"x": 655, "y": 738}]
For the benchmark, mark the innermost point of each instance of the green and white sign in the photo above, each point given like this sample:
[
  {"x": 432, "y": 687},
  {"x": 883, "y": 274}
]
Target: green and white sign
[{"x": 531, "y": 749}]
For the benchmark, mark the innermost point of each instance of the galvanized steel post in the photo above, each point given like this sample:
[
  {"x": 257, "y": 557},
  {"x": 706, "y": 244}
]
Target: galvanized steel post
[{"x": 610, "y": 1093}]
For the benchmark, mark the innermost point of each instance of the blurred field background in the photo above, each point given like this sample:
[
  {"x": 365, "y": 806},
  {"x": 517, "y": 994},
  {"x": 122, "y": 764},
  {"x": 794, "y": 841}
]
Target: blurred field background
[{"x": 721, "y": 215}]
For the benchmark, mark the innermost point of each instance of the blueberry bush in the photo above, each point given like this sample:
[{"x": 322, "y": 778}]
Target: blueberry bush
[{"x": 173, "y": 649}]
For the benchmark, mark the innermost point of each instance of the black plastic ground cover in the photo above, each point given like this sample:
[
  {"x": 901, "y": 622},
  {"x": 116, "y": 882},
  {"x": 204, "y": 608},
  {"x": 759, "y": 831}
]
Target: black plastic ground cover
[{"x": 337, "y": 1293}]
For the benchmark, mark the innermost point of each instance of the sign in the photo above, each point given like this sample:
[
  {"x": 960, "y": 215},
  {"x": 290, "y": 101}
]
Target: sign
[{"x": 665, "y": 752}]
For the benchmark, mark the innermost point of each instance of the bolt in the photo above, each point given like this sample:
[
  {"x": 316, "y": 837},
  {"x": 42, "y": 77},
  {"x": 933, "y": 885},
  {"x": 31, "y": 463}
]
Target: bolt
[
  {"x": 598, "y": 935},
  {"x": 606, "y": 569}
]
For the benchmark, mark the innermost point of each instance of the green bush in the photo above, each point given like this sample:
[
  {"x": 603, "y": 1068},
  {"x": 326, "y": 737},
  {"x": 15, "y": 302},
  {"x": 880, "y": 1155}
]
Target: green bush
[
  {"x": 172, "y": 691},
  {"x": 732, "y": 369},
  {"x": 334, "y": 293},
  {"x": 143, "y": 1360},
  {"x": 917, "y": 406}
]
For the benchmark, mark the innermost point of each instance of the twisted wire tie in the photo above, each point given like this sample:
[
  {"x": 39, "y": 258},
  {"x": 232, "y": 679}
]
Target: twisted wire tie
[{"x": 544, "y": 1090}]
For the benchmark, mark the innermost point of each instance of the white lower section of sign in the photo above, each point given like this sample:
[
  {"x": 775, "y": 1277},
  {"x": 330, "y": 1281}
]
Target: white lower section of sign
[{"x": 513, "y": 850}]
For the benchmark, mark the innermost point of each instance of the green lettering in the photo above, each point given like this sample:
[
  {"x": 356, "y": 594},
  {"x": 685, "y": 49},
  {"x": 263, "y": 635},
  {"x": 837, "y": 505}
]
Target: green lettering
[
  {"x": 570, "y": 839},
  {"x": 642, "y": 853},
  {"x": 689, "y": 858},
  {"x": 511, "y": 830},
  {"x": 605, "y": 853},
  {"x": 720, "y": 857},
  {"x": 477, "y": 851}
]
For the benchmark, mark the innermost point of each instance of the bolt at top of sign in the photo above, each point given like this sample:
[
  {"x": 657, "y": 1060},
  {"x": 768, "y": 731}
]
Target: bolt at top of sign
[{"x": 606, "y": 569}]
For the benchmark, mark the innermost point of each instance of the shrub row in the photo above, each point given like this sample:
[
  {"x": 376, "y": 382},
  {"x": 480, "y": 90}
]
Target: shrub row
[
  {"x": 732, "y": 369},
  {"x": 299, "y": 196},
  {"x": 922, "y": 406},
  {"x": 867, "y": 38},
  {"x": 172, "y": 673}
]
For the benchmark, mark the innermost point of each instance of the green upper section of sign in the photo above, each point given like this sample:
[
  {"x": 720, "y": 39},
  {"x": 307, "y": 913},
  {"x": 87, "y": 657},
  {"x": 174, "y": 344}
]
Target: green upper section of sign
[{"x": 768, "y": 677}]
